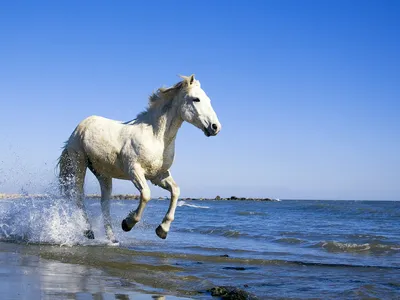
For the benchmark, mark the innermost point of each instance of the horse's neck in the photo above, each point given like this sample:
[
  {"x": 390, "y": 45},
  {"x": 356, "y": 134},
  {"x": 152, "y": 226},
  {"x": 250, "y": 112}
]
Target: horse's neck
[{"x": 166, "y": 125}]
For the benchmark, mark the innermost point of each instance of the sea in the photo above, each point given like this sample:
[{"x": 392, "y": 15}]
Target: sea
[{"x": 288, "y": 249}]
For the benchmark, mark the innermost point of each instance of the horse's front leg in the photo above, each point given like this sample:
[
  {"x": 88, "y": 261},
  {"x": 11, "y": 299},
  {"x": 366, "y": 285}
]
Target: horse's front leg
[
  {"x": 167, "y": 182},
  {"x": 137, "y": 175}
]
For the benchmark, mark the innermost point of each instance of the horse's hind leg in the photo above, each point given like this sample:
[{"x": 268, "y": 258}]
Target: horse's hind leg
[
  {"x": 72, "y": 175},
  {"x": 166, "y": 182},
  {"x": 80, "y": 173},
  {"x": 106, "y": 188}
]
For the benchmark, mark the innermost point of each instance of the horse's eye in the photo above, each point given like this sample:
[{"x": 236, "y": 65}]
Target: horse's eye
[{"x": 196, "y": 100}]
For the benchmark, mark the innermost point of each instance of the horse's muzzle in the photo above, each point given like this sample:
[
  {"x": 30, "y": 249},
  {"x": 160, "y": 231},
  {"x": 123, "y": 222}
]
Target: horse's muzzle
[{"x": 211, "y": 130}]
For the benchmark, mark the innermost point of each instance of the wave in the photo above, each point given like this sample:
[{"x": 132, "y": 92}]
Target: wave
[
  {"x": 373, "y": 247},
  {"x": 319, "y": 264},
  {"x": 218, "y": 231},
  {"x": 293, "y": 234},
  {"x": 251, "y": 213},
  {"x": 289, "y": 241},
  {"x": 184, "y": 203},
  {"x": 361, "y": 236},
  {"x": 223, "y": 232},
  {"x": 233, "y": 233}
]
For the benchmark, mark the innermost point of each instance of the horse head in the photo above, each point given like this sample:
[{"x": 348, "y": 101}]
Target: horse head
[{"x": 195, "y": 107}]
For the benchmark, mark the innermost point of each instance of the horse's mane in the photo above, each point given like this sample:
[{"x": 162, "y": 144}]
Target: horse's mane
[
  {"x": 164, "y": 95},
  {"x": 162, "y": 98}
]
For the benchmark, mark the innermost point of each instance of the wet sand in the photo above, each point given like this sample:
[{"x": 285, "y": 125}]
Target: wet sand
[{"x": 39, "y": 272}]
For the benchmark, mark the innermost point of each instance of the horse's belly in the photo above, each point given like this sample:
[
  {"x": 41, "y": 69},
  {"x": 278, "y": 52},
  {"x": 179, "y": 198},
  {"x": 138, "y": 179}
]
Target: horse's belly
[
  {"x": 106, "y": 168},
  {"x": 106, "y": 161}
]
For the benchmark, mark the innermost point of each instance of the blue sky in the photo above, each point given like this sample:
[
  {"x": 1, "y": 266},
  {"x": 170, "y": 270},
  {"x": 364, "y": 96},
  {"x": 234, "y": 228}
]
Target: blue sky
[{"x": 308, "y": 92}]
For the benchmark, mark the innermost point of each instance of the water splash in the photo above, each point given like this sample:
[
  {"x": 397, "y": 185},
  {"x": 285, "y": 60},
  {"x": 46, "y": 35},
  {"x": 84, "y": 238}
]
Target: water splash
[{"x": 44, "y": 221}]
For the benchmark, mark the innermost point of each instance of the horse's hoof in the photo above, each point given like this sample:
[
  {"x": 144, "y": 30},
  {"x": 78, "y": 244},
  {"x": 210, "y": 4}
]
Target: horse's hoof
[
  {"x": 114, "y": 243},
  {"x": 89, "y": 234},
  {"x": 125, "y": 226},
  {"x": 161, "y": 233}
]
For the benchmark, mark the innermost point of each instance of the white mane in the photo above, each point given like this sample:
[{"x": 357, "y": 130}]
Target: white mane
[{"x": 161, "y": 99}]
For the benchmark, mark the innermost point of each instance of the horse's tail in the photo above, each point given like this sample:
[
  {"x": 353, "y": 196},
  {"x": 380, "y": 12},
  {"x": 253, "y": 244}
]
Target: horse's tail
[{"x": 67, "y": 172}]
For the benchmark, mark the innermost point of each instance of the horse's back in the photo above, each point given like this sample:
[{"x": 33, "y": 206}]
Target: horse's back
[
  {"x": 93, "y": 126},
  {"x": 97, "y": 122}
]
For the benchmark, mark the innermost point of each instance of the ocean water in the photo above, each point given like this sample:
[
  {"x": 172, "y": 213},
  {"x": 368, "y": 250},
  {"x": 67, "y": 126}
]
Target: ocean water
[{"x": 292, "y": 249}]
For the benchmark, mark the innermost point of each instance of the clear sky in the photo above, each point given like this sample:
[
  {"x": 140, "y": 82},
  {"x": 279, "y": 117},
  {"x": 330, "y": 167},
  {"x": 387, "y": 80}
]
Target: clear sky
[{"x": 308, "y": 92}]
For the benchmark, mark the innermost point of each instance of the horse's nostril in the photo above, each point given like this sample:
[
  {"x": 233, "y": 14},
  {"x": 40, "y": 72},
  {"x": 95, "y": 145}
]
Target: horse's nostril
[{"x": 214, "y": 126}]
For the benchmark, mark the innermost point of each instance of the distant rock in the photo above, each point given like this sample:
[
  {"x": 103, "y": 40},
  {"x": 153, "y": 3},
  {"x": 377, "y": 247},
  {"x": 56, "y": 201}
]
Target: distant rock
[
  {"x": 231, "y": 293},
  {"x": 24, "y": 196},
  {"x": 235, "y": 268},
  {"x": 116, "y": 196},
  {"x": 127, "y": 197}
]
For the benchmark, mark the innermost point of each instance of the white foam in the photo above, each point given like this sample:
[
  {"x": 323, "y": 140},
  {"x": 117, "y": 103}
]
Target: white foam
[
  {"x": 49, "y": 221},
  {"x": 183, "y": 203}
]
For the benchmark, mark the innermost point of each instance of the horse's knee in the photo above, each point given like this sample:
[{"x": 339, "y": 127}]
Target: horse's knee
[{"x": 145, "y": 195}]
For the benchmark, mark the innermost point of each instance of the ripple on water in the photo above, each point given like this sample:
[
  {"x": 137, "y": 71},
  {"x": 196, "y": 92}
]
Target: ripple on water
[
  {"x": 289, "y": 240},
  {"x": 374, "y": 248}
]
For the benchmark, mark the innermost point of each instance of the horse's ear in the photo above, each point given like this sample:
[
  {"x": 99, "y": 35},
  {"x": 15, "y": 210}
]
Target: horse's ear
[{"x": 191, "y": 79}]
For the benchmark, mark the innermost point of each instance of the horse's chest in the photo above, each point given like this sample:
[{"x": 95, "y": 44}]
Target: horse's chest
[{"x": 157, "y": 163}]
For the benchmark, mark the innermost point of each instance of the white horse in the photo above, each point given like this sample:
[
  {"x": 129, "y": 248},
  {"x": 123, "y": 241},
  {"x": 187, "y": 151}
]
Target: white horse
[{"x": 138, "y": 150}]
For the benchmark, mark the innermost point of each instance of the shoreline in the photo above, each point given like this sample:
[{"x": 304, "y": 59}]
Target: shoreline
[{"x": 132, "y": 197}]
